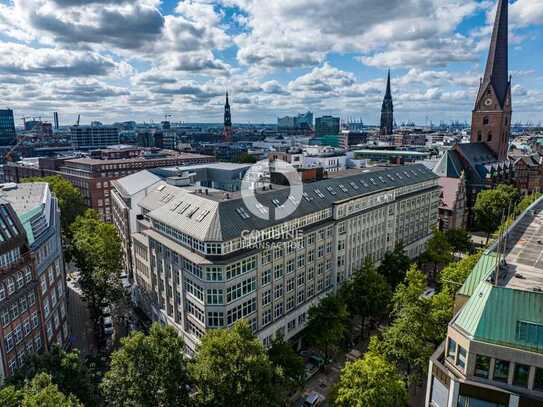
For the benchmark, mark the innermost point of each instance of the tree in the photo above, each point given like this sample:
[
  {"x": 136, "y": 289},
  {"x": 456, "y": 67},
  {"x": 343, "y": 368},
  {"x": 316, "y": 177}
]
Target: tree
[
  {"x": 394, "y": 266},
  {"x": 492, "y": 205},
  {"x": 67, "y": 371},
  {"x": 438, "y": 251},
  {"x": 97, "y": 253},
  {"x": 371, "y": 382},
  {"x": 148, "y": 371},
  {"x": 233, "y": 369},
  {"x": 327, "y": 324},
  {"x": 39, "y": 392},
  {"x": 70, "y": 200},
  {"x": 526, "y": 202},
  {"x": 283, "y": 356},
  {"x": 452, "y": 277},
  {"x": 459, "y": 239},
  {"x": 367, "y": 294},
  {"x": 406, "y": 340},
  {"x": 246, "y": 158},
  {"x": 441, "y": 312}
]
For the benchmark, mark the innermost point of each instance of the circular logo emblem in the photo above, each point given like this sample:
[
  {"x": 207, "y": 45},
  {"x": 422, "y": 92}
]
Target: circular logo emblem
[{"x": 258, "y": 178}]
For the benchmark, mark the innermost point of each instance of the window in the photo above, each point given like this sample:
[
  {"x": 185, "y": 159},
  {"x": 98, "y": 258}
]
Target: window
[
  {"x": 267, "y": 316},
  {"x": 489, "y": 137},
  {"x": 11, "y": 286},
  {"x": 529, "y": 333},
  {"x": 278, "y": 271},
  {"x": 215, "y": 296},
  {"x": 215, "y": 319},
  {"x": 501, "y": 371},
  {"x": 266, "y": 297},
  {"x": 482, "y": 366},
  {"x": 520, "y": 378},
  {"x": 538, "y": 379},
  {"x": 486, "y": 120},
  {"x": 278, "y": 291},
  {"x": 266, "y": 276},
  {"x": 451, "y": 349}
]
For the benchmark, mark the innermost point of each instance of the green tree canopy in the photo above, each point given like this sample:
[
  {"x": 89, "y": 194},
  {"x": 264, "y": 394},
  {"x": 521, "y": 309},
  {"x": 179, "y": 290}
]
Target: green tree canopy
[
  {"x": 454, "y": 275},
  {"x": 394, "y": 266},
  {"x": 39, "y": 392},
  {"x": 459, "y": 239},
  {"x": 97, "y": 253},
  {"x": 148, "y": 371},
  {"x": 233, "y": 369},
  {"x": 371, "y": 382},
  {"x": 283, "y": 356},
  {"x": 367, "y": 294},
  {"x": 70, "y": 200},
  {"x": 439, "y": 250},
  {"x": 67, "y": 370},
  {"x": 327, "y": 324},
  {"x": 492, "y": 205}
]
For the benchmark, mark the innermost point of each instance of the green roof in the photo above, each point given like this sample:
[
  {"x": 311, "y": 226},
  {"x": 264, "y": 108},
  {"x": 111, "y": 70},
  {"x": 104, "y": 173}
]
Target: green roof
[
  {"x": 482, "y": 270},
  {"x": 26, "y": 219},
  {"x": 492, "y": 315}
]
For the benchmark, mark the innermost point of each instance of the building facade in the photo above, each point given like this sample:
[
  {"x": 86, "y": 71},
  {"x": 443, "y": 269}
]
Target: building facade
[
  {"x": 33, "y": 307},
  {"x": 94, "y": 136},
  {"x": 93, "y": 176},
  {"x": 453, "y": 212},
  {"x": 326, "y": 126},
  {"x": 7, "y": 128},
  {"x": 201, "y": 260},
  {"x": 493, "y": 353}
]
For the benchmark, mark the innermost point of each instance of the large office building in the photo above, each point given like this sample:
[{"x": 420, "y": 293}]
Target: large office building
[
  {"x": 201, "y": 260},
  {"x": 94, "y": 136},
  {"x": 326, "y": 126},
  {"x": 93, "y": 176},
  {"x": 32, "y": 278},
  {"x": 493, "y": 354},
  {"x": 7, "y": 128}
]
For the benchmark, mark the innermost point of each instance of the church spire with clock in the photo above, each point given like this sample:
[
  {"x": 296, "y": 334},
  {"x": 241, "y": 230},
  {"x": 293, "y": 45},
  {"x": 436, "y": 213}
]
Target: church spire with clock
[{"x": 491, "y": 119}]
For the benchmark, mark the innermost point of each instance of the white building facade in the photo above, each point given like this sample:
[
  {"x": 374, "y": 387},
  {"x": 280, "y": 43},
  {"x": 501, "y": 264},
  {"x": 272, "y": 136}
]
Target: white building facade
[{"x": 196, "y": 268}]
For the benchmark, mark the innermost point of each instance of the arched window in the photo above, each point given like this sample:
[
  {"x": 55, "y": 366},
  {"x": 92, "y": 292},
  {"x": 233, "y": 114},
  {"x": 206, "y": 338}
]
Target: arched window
[
  {"x": 489, "y": 137},
  {"x": 486, "y": 120},
  {"x": 479, "y": 136}
]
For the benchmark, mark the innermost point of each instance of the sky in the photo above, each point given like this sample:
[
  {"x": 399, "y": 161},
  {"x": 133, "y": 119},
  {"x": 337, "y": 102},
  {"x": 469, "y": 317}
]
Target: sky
[{"x": 116, "y": 60}]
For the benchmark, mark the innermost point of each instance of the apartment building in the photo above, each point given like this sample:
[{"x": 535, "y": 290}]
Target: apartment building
[
  {"x": 201, "y": 260},
  {"x": 93, "y": 176},
  {"x": 94, "y": 136},
  {"x": 493, "y": 354},
  {"x": 32, "y": 278}
]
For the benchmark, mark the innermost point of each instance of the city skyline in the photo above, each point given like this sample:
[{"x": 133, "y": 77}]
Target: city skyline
[{"x": 140, "y": 60}]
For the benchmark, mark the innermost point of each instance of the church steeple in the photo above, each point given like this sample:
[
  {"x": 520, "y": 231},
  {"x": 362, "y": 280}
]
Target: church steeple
[
  {"x": 491, "y": 120},
  {"x": 227, "y": 136},
  {"x": 387, "y": 111},
  {"x": 497, "y": 65}
]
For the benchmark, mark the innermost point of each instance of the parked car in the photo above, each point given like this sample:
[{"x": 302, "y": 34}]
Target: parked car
[
  {"x": 108, "y": 326},
  {"x": 313, "y": 399}
]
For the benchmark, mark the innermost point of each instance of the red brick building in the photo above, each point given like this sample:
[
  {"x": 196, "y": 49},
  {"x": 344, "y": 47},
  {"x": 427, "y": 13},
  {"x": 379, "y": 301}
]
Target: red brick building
[{"x": 93, "y": 176}]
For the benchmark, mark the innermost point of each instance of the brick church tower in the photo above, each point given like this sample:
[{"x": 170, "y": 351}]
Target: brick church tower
[{"x": 491, "y": 119}]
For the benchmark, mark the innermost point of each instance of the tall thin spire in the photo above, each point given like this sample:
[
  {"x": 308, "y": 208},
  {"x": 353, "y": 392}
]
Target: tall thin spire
[
  {"x": 387, "y": 111},
  {"x": 227, "y": 135},
  {"x": 497, "y": 68},
  {"x": 388, "y": 93}
]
